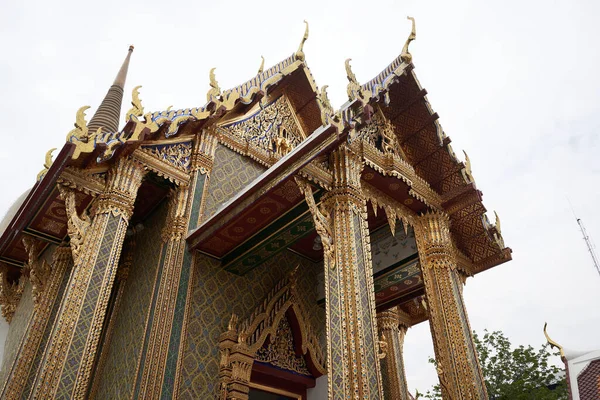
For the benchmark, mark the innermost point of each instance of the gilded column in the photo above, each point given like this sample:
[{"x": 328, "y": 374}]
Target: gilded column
[
  {"x": 96, "y": 244},
  {"x": 341, "y": 221},
  {"x": 46, "y": 283},
  {"x": 119, "y": 288},
  {"x": 392, "y": 325},
  {"x": 457, "y": 363},
  {"x": 160, "y": 353}
]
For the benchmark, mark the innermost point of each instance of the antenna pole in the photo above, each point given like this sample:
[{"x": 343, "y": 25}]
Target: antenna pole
[{"x": 589, "y": 245}]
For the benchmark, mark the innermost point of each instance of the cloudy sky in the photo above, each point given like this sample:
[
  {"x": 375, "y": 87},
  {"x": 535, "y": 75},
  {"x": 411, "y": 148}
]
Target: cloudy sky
[{"x": 515, "y": 83}]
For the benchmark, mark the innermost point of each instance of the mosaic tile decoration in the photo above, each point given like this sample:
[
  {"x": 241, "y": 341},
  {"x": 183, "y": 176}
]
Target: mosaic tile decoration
[
  {"x": 17, "y": 329},
  {"x": 82, "y": 328},
  {"x": 231, "y": 173},
  {"x": 118, "y": 376},
  {"x": 368, "y": 328},
  {"x": 218, "y": 293}
]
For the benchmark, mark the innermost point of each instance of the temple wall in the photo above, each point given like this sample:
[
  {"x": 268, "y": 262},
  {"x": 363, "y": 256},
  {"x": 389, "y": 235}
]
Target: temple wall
[
  {"x": 216, "y": 294},
  {"x": 231, "y": 172},
  {"x": 16, "y": 331},
  {"x": 117, "y": 378}
]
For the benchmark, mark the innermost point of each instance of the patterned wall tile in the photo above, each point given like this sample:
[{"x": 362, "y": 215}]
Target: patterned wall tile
[
  {"x": 118, "y": 376},
  {"x": 231, "y": 173},
  {"x": 218, "y": 293},
  {"x": 16, "y": 330}
]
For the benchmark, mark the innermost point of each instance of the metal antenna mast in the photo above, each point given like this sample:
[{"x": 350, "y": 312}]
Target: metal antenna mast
[{"x": 589, "y": 244}]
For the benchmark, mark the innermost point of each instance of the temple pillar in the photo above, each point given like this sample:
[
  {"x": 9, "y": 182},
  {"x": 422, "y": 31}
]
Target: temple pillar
[
  {"x": 341, "y": 221},
  {"x": 392, "y": 325},
  {"x": 96, "y": 245},
  {"x": 457, "y": 363},
  {"x": 47, "y": 284},
  {"x": 160, "y": 353}
]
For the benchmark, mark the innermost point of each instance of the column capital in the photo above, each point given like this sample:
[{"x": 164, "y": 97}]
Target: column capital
[
  {"x": 203, "y": 153},
  {"x": 432, "y": 233},
  {"x": 393, "y": 318},
  {"x": 122, "y": 182},
  {"x": 176, "y": 223},
  {"x": 347, "y": 167}
]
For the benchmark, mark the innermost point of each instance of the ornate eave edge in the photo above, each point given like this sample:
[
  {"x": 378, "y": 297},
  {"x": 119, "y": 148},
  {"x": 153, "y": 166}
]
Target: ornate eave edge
[{"x": 37, "y": 196}]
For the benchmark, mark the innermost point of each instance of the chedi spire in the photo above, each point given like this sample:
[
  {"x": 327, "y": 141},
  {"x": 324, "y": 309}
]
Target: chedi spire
[{"x": 108, "y": 114}]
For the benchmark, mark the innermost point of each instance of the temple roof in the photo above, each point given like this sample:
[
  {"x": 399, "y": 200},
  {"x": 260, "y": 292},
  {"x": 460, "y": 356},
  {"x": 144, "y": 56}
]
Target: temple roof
[{"x": 425, "y": 167}]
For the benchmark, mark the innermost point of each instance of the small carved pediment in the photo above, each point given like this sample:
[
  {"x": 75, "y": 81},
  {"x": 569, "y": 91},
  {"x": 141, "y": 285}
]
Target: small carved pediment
[
  {"x": 280, "y": 351},
  {"x": 273, "y": 128},
  {"x": 177, "y": 155}
]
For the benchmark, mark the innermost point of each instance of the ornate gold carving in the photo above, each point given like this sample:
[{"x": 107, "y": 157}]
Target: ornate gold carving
[
  {"x": 406, "y": 56},
  {"x": 122, "y": 183},
  {"x": 214, "y": 93},
  {"x": 177, "y": 219},
  {"x": 241, "y": 343},
  {"x": 325, "y": 105},
  {"x": 84, "y": 142},
  {"x": 10, "y": 293},
  {"x": 81, "y": 180},
  {"x": 318, "y": 173},
  {"x": 322, "y": 221},
  {"x": 383, "y": 348},
  {"x": 392, "y": 325},
  {"x": 204, "y": 152},
  {"x": 76, "y": 226},
  {"x": 349, "y": 292},
  {"x": 466, "y": 171},
  {"x": 169, "y": 161},
  {"x": 137, "y": 108},
  {"x": 274, "y": 131},
  {"x": 39, "y": 270},
  {"x": 392, "y": 164},
  {"x": 459, "y": 371},
  {"x": 393, "y": 208},
  {"x": 299, "y": 55},
  {"x": 280, "y": 352},
  {"x": 15, "y": 385},
  {"x": 47, "y": 164},
  {"x": 353, "y": 90}
]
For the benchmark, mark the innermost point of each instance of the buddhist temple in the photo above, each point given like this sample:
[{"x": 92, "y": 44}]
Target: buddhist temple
[{"x": 261, "y": 246}]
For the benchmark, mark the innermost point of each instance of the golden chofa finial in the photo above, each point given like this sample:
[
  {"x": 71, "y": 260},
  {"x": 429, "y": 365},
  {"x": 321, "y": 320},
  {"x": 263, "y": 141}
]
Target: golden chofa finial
[
  {"x": 215, "y": 91},
  {"x": 552, "y": 343},
  {"x": 300, "y": 52},
  {"x": 467, "y": 172},
  {"x": 81, "y": 130},
  {"x": 262, "y": 65},
  {"x": 137, "y": 108},
  {"x": 353, "y": 89},
  {"x": 497, "y": 224},
  {"x": 47, "y": 164},
  {"x": 406, "y": 56}
]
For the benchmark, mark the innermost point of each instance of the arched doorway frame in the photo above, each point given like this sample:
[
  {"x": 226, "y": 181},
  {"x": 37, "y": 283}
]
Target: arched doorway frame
[{"x": 240, "y": 343}]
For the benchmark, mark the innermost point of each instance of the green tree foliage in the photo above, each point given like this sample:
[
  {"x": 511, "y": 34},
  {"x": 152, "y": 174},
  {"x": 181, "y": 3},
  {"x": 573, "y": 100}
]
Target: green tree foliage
[{"x": 520, "y": 373}]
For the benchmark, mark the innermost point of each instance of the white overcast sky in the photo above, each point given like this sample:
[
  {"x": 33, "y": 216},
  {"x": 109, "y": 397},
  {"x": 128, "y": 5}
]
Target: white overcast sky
[{"x": 516, "y": 84}]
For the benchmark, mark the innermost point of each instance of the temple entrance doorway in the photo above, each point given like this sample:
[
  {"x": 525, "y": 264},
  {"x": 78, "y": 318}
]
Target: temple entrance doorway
[{"x": 273, "y": 354}]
